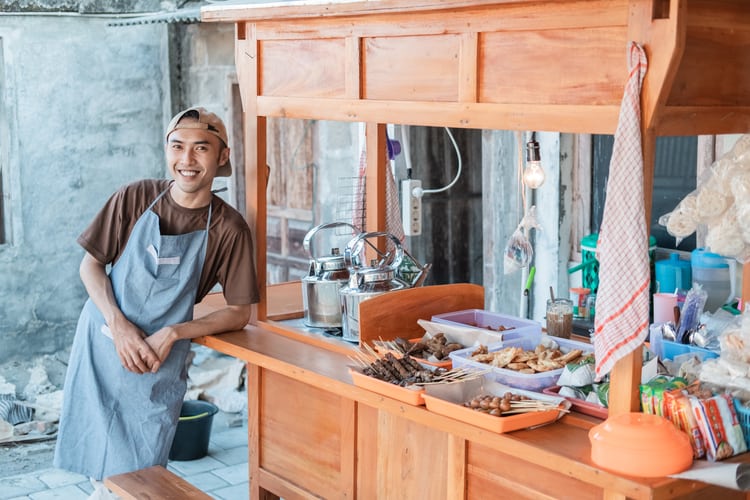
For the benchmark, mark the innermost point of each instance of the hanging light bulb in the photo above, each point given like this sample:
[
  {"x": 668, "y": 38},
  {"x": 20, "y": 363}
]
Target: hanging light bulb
[{"x": 533, "y": 174}]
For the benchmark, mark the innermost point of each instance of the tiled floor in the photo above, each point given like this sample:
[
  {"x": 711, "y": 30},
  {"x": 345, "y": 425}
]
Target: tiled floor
[{"x": 223, "y": 473}]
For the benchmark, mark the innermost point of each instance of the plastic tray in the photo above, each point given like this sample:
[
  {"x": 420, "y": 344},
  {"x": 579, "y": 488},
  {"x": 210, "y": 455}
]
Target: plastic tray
[
  {"x": 496, "y": 424},
  {"x": 530, "y": 382},
  {"x": 412, "y": 396},
  {"x": 580, "y": 405},
  {"x": 667, "y": 349},
  {"x": 485, "y": 320}
]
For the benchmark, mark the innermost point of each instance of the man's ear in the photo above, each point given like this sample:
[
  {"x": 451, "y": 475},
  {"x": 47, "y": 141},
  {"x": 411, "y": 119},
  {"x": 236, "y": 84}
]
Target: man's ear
[{"x": 224, "y": 156}]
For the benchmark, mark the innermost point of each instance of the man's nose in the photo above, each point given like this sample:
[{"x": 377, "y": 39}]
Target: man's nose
[{"x": 186, "y": 156}]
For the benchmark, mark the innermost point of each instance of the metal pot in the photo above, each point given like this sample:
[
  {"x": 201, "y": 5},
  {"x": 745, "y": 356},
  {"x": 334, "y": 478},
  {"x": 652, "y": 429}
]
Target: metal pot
[
  {"x": 320, "y": 288},
  {"x": 367, "y": 282}
]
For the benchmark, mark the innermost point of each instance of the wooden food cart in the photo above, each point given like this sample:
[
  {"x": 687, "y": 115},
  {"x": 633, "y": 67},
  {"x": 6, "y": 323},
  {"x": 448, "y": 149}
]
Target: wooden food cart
[{"x": 504, "y": 64}]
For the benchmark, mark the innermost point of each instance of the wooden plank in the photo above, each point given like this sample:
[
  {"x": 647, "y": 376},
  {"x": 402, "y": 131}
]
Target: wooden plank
[
  {"x": 456, "y": 468},
  {"x": 715, "y": 68},
  {"x": 519, "y": 479},
  {"x": 580, "y": 118},
  {"x": 411, "y": 68},
  {"x": 542, "y": 16},
  {"x": 377, "y": 169},
  {"x": 153, "y": 482},
  {"x": 467, "y": 67},
  {"x": 352, "y": 65},
  {"x": 668, "y": 34},
  {"x": 428, "y": 17},
  {"x": 282, "y": 488},
  {"x": 411, "y": 459},
  {"x": 303, "y": 68},
  {"x": 699, "y": 120},
  {"x": 367, "y": 451},
  {"x": 300, "y": 438},
  {"x": 285, "y": 300},
  {"x": 554, "y": 66},
  {"x": 395, "y": 314},
  {"x": 254, "y": 375},
  {"x": 348, "y": 449}
]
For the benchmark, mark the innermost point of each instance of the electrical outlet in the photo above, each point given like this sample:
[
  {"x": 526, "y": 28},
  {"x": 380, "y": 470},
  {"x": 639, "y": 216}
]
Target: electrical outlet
[{"x": 411, "y": 207}]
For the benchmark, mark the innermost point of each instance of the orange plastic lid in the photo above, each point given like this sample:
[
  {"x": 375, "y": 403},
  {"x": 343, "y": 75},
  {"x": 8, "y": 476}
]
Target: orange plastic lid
[
  {"x": 581, "y": 291},
  {"x": 640, "y": 444}
]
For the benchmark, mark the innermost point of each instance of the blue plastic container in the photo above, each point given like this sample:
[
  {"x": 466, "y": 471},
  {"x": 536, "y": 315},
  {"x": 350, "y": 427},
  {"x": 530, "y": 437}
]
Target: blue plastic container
[{"x": 673, "y": 274}]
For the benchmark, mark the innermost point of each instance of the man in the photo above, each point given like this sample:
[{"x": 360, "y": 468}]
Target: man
[{"x": 168, "y": 243}]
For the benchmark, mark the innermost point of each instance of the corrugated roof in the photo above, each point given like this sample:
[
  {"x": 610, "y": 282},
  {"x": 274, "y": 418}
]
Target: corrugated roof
[{"x": 187, "y": 15}]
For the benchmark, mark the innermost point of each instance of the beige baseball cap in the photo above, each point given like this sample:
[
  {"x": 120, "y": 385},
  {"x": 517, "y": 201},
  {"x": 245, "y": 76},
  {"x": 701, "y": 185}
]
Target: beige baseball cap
[{"x": 207, "y": 121}]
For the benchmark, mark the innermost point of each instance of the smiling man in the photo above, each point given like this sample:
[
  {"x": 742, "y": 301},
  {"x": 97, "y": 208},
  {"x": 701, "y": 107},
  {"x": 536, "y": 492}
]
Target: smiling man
[{"x": 168, "y": 242}]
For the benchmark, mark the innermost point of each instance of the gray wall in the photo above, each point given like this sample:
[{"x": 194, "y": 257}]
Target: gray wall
[{"x": 83, "y": 109}]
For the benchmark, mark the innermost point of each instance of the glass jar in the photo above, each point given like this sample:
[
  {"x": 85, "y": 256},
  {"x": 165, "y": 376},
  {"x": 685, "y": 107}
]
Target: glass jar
[{"x": 560, "y": 317}]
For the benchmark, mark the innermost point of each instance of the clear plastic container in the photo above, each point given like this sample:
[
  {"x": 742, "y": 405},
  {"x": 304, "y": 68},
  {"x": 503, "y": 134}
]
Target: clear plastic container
[
  {"x": 530, "y": 382},
  {"x": 511, "y": 326}
]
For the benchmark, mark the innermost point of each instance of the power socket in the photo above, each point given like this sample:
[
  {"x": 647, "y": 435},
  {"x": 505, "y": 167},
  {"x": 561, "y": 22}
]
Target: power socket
[{"x": 411, "y": 207}]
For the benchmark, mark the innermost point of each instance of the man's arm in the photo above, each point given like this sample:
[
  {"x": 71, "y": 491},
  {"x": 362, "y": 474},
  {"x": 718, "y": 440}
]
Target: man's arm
[
  {"x": 223, "y": 320},
  {"x": 135, "y": 354}
]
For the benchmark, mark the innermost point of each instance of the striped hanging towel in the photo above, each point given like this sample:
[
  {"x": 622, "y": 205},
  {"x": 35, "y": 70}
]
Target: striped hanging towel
[{"x": 622, "y": 303}]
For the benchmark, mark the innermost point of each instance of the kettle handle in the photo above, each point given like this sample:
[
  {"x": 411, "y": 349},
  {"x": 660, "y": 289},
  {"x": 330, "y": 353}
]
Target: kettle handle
[
  {"x": 355, "y": 247},
  {"x": 319, "y": 227}
]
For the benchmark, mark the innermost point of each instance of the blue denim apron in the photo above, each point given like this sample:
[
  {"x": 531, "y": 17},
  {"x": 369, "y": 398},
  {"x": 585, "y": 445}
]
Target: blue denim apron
[{"x": 113, "y": 420}]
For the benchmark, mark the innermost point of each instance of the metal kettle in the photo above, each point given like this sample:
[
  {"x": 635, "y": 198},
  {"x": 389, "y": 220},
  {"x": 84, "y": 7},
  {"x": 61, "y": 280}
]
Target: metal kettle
[
  {"x": 320, "y": 288},
  {"x": 366, "y": 282}
]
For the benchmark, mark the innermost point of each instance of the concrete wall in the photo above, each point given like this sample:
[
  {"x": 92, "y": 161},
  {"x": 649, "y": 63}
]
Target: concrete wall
[{"x": 83, "y": 110}]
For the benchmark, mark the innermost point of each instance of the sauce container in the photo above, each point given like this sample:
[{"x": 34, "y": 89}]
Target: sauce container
[{"x": 560, "y": 317}]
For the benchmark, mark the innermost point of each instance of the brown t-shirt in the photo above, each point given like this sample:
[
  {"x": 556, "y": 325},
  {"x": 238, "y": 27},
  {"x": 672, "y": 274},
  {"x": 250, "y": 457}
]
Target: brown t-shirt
[{"x": 229, "y": 256}]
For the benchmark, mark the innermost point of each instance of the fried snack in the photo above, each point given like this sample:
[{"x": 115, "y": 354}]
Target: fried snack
[{"x": 541, "y": 359}]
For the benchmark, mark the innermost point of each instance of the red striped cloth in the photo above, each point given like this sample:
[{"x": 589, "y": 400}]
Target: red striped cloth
[{"x": 622, "y": 299}]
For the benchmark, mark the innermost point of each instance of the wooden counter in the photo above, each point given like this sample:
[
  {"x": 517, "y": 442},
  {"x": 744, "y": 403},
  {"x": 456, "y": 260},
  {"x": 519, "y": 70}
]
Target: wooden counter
[{"x": 312, "y": 433}]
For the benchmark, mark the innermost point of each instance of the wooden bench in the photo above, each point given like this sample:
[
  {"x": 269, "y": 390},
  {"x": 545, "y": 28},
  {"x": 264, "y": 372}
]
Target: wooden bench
[{"x": 153, "y": 483}]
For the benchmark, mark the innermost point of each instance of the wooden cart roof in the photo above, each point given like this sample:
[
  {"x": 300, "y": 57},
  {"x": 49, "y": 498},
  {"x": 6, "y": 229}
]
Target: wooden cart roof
[{"x": 555, "y": 65}]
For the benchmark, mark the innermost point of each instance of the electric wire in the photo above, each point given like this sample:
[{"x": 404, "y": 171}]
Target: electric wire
[
  {"x": 458, "y": 167},
  {"x": 405, "y": 144}
]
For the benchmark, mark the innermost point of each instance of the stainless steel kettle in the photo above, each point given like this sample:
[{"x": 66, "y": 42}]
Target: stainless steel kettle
[
  {"x": 366, "y": 282},
  {"x": 320, "y": 288}
]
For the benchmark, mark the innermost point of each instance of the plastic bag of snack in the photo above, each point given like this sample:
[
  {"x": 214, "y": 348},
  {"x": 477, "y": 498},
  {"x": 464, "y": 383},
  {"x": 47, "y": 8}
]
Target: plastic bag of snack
[
  {"x": 680, "y": 413},
  {"x": 713, "y": 198},
  {"x": 578, "y": 374},
  {"x": 652, "y": 393},
  {"x": 683, "y": 220},
  {"x": 721, "y": 431},
  {"x": 724, "y": 237}
]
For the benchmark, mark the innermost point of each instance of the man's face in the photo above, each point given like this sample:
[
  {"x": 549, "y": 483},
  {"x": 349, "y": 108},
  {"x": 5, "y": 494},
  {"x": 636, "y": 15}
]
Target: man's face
[{"x": 193, "y": 157}]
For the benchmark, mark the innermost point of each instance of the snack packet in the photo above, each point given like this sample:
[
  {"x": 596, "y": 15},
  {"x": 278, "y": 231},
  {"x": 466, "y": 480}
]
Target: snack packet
[{"x": 721, "y": 431}]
